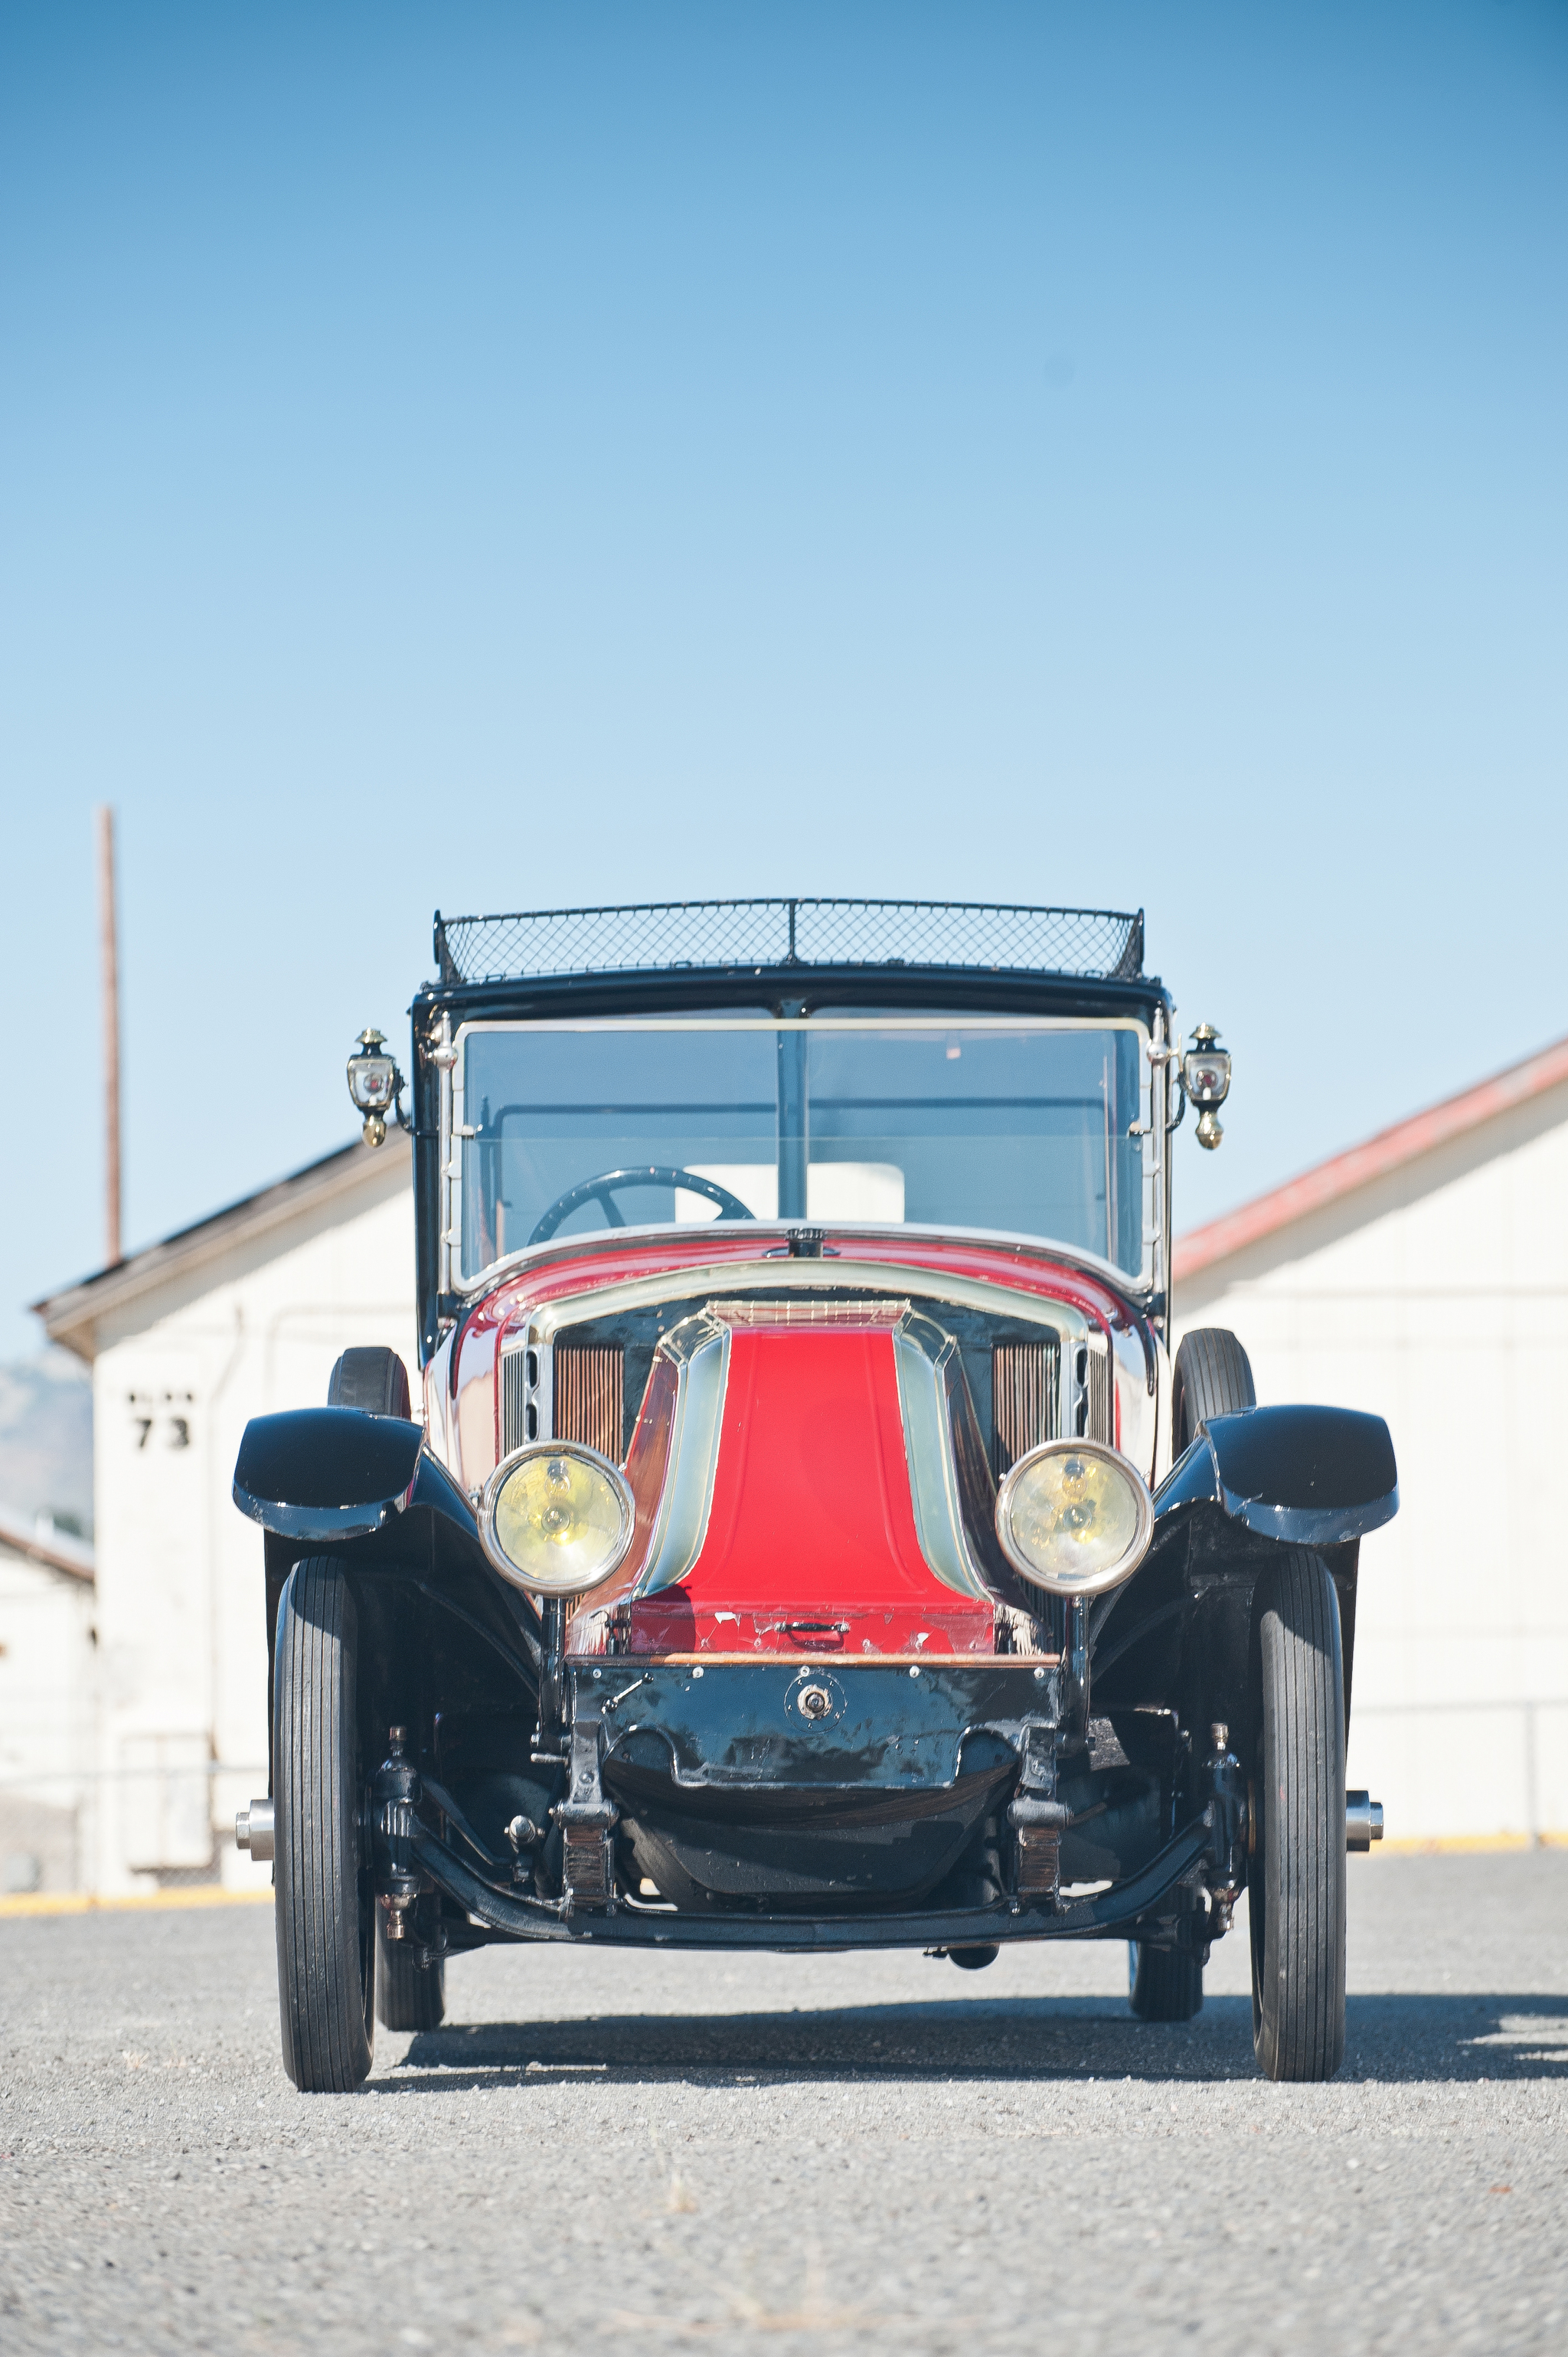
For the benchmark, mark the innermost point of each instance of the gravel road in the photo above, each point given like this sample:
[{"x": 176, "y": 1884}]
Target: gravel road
[{"x": 843, "y": 2153}]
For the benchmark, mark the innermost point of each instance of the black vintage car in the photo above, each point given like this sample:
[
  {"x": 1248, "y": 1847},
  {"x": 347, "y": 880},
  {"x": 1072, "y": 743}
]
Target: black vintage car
[{"x": 806, "y": 1539}]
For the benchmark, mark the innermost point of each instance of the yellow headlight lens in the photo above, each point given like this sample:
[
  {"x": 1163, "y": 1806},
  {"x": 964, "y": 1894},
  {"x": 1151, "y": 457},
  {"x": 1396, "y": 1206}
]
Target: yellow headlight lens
[
  {"x": 1074, "y": 1517},
  {"x": 558, "y": 1519}
]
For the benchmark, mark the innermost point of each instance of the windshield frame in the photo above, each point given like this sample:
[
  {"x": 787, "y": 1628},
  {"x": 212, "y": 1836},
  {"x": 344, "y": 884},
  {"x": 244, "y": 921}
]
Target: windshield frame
[{"x": 1144, "y": 1284}]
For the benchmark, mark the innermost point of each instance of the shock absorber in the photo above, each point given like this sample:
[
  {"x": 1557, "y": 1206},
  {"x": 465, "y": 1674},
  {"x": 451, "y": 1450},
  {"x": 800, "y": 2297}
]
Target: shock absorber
[
  {"x": 394, "y": 1796},
  {"x": 1225, "y": 1814}
]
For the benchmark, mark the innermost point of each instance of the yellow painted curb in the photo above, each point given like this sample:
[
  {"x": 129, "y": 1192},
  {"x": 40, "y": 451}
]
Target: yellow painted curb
[
  {"x": 1466, "y": 1844},
  {"x": 84, "y": 1902}
]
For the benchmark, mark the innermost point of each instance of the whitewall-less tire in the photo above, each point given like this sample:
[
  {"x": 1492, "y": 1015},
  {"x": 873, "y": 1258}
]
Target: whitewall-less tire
[{"x": 324, "y": 1906}]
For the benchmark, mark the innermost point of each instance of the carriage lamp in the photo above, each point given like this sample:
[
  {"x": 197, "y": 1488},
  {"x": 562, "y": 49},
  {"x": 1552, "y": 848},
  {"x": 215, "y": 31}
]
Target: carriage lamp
[
  {"x": 555, "y": 1518},
  {"x": 1205, "y": 1076},
  {"x": 374, "y": 1083},
  {"x": 1074, "y": 1517}
]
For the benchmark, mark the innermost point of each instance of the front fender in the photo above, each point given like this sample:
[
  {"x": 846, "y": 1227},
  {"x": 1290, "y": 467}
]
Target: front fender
[
  {"x": 317, "y": 1474},
  {"x": 1178, "y": 1633},
  {"x": 1316, "y": 1476},
  {"x": 366, "y": 1489}
]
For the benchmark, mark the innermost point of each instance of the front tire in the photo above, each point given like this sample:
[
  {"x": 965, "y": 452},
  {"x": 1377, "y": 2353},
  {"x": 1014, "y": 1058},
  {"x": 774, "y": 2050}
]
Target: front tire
[
  {"x": 408, "y": 1996},
  {"x": 1162, "y": 1983},
  {"x": 324, "y": 1906},
  {"x": 1295, "y": 1877},
  {"x": 1213, "y": 1376},
  {"x": 374, "y": 1380}
]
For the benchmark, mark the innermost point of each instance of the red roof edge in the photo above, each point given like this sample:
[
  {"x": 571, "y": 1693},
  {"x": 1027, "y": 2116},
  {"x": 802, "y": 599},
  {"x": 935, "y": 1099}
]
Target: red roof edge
[
  {"x": 1390, "y": 1149},
  {"x": 41, "y": 1538}
]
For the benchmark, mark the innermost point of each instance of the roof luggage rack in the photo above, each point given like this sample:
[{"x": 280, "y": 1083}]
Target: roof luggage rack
[{"x": 732, "y": 936}]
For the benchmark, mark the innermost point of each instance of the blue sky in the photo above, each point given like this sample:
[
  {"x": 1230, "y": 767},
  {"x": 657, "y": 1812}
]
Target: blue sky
[{"x": 513, "y": 455}]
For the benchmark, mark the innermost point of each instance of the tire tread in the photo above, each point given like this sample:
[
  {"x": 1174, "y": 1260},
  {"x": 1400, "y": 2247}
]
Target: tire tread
[
  {"x": 1213, "y": 1377},
  {"x": 1164, "y": 1984},
  {"x": 372, "y": 1379},
  {"x": 1299, "y": 1965},
  {"x": 408, "y": 1997},
  {"x": 326, "y": 2039}
]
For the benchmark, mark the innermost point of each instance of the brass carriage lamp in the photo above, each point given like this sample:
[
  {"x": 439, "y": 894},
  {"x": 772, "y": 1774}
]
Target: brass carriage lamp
[
  {"x": 1205, "y": 1076},
  {"x": 375, "y": 1084}
]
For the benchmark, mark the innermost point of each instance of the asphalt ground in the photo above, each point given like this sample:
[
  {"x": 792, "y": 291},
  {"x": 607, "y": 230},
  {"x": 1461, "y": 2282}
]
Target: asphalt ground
[{"x": 835, "y": 2154}]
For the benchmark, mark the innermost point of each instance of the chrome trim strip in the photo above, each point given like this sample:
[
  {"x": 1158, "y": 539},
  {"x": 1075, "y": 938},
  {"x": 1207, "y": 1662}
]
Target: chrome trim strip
[
  {"x": 722, "y": 1277},
  {"x": 700, "y": 1349},
  {"x": 443, "y": 1063},
  {"x": 940, "y": 1020},
  {"x": 922, "y": 1352}
]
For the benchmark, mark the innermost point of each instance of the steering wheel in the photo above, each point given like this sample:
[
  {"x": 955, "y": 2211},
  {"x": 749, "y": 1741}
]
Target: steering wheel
[{"x": 647, "y": 1174}]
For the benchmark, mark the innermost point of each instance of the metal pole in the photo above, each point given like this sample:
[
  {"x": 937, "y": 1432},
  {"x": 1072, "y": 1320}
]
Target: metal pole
[
  {"x": 793, "y": 1119},
  {"x": 109, "y": 965},
  {"x": 1110, "y": 1194}
]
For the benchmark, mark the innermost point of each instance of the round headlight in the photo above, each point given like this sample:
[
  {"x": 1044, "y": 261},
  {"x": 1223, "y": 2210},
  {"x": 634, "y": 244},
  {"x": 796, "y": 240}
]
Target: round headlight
[
  {"x": 556, "y": 1518},
  {"x": 1074, "y": 1517}
]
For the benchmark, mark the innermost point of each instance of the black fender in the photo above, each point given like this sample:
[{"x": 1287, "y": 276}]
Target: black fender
[
  {"x": 1315, "y": 1477},
  {"x": 364, "y": 1488},
  {"x": 319, "y": 1474},
  {"x": 1178, "y": 1636}
]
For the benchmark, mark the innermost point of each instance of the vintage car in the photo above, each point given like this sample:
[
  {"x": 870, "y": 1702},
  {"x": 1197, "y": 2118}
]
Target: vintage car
[{"x": 806, "y": 1540}]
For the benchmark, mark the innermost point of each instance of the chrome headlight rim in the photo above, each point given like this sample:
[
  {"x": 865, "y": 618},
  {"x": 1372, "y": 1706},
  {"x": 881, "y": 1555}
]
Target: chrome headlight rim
[
  {"x": 1115, "y": 1573},
  {"x": 496, "y": 1554}
]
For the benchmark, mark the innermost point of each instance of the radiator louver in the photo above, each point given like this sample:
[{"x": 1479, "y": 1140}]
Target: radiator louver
[
  {"x": 1023, "y": 1400},
  {"x": 518, "y": 1413},
  {"x": 589, "y": 1383},
  {"x": 1097, "y": 1396}
]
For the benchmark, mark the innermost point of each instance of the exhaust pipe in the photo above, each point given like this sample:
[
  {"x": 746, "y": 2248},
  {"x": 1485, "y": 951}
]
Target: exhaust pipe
[{"x": 1363, "y": 1821}]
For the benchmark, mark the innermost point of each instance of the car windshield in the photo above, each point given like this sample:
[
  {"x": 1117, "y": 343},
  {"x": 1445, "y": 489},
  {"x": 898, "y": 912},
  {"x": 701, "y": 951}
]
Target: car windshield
[{"x": 1004, "y": 1125}]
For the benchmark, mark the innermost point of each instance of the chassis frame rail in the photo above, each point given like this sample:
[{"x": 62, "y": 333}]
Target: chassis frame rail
[{"x": 1114, "y": 1913}]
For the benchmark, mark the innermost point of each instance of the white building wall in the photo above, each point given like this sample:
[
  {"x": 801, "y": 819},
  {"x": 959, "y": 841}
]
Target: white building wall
[
  {"x": 48, "y": 1682},
  {"x": 1437, "y": 1298},
  {"x": 182, "y": 1635}
]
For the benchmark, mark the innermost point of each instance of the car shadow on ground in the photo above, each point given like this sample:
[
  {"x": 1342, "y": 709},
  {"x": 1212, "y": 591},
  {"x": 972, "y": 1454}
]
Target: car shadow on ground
[{"x": 1390, "y": 2039}]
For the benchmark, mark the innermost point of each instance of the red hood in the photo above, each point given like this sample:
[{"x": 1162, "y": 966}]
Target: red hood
[
  {"x": 801, "y": 1526},
  {"x": 811, "y": 1542}
]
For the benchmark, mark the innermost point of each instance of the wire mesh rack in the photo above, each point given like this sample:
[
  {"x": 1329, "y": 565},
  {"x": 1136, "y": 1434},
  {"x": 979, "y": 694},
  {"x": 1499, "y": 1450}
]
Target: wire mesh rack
[{"x": 1098, "y": 944}]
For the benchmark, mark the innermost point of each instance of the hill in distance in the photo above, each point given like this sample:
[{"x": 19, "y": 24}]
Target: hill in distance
[{"x": 46, "y": 1439}]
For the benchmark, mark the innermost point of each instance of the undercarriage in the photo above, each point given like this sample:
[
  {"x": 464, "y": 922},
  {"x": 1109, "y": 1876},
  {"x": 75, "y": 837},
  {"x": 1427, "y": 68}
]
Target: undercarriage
[{"x": 803, "y": 1804}]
